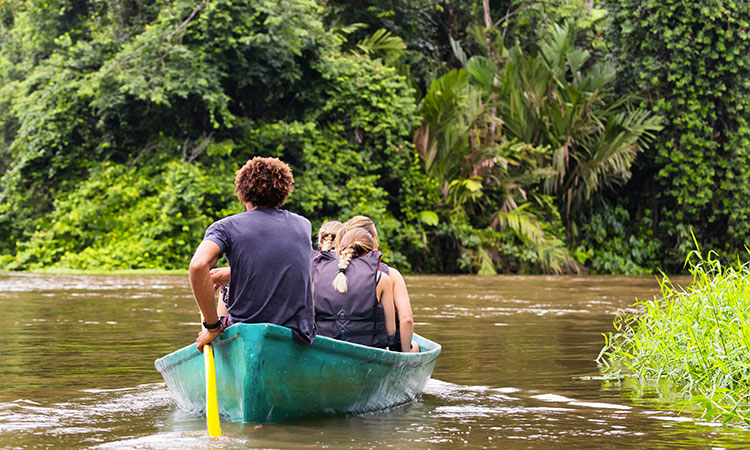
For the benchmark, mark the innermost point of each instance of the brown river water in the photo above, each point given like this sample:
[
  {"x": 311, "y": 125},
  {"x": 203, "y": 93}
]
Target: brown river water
[{"x": 517, "y": 371}]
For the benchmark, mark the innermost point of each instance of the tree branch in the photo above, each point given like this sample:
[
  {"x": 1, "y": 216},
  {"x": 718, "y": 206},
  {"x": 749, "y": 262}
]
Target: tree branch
[
  {"x": 202, "y": 146},
  {"x": 507, "y": 16},
  {"x": 181, "y": 28}
]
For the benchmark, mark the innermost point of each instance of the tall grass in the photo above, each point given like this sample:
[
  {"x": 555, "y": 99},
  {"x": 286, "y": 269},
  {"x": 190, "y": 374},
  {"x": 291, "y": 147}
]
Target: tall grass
[{"x": 697, "y": 337}]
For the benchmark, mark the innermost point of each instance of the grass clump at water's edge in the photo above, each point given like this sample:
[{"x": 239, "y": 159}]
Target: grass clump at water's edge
[{"x": 697, "y": 337}]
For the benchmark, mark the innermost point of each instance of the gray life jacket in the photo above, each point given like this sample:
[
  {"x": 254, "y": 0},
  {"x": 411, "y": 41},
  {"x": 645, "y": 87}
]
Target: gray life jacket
[{"x": 356, "y": 316}]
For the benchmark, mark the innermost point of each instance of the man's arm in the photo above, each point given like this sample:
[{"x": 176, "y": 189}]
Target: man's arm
[{"x": 204, "y": 259}]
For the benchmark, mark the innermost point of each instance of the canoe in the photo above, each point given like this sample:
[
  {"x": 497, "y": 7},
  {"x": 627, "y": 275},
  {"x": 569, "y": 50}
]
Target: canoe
[{"x": 263, "y": 376}]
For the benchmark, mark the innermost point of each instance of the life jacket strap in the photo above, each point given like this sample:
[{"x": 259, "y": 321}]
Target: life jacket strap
[{"x": 344, "y": 317}]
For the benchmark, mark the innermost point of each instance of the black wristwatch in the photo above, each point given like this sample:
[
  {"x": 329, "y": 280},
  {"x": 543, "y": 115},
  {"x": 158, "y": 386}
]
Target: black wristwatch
[{"x": 212, "y": 326}]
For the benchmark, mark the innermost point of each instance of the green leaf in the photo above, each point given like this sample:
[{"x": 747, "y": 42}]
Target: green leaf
[{"x": 429, "y": 218}]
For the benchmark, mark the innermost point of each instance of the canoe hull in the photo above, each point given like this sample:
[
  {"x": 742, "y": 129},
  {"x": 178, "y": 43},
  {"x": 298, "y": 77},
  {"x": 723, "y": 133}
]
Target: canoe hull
[{"x": 263, "y": 376}]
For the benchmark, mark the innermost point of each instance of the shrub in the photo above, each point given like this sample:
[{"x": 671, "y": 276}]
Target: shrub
[{"x": 697, "y": 338}]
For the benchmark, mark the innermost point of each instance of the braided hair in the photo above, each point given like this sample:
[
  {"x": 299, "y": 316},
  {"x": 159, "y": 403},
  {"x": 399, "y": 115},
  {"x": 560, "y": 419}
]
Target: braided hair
[
  {"x": 353, "y": 243},
  {"x": 358, "y": 222},
  {"x": 327, "y": 234}
]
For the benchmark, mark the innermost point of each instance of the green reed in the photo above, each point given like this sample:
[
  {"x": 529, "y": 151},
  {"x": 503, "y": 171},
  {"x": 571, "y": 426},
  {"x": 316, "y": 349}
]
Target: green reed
[{"x": 697, "y": 337}]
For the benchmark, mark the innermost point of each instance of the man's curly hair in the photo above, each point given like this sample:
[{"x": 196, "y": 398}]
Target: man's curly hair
[{"x": 264, "y": 182}]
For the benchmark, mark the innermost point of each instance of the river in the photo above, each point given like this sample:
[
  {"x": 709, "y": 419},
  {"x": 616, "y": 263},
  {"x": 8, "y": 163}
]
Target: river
[{"x": 517, "y": 370}]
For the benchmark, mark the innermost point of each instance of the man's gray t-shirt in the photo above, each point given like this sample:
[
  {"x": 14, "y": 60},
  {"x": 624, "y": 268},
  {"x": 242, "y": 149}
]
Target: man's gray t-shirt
[{"x": 269, "y": 252}]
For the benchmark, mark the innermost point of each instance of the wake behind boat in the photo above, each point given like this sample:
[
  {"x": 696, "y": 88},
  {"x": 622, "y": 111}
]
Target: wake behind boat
[{"x": 263, "y": 376}]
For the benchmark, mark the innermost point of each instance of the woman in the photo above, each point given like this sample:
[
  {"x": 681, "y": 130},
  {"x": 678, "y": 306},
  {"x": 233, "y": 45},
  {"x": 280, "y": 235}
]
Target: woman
[
  {"x": 353, "y": 298},
  {"x": 404, "y": 319}
]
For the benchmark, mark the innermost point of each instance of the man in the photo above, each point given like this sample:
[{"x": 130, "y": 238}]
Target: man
[{"x": 269, "y": 251}]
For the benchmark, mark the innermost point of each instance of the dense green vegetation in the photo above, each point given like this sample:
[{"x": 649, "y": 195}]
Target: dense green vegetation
[
  {"x": 691, "y": 62},
  {"x": 483, "y": 136},
  {"x": 697, "y": 338}
]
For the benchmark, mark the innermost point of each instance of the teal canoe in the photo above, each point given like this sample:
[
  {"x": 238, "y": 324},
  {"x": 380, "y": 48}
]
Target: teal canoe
[{"x": 263, "y": 376}]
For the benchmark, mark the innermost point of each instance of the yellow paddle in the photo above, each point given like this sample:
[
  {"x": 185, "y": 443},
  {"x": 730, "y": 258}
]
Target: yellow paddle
[{"x": 212, "y": 402}]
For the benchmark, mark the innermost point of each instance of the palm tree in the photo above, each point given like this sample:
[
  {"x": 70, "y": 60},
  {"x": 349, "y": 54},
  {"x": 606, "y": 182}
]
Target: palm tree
[
  {"x": 481, "y": 175},
  {"x": 561, "y": 100},
  {"x": 563, "y": 137}
]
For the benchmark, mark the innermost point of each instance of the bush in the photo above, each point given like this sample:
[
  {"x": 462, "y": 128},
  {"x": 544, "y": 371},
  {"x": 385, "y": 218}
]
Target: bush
[
  {"x": 697, "y": 338},
  {"x": 130, "y": 218},
  {"x": 611, "y": 248}
]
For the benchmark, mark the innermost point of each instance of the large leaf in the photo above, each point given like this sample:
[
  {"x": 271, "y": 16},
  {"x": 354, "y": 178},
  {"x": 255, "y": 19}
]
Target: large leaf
[
  {"x": 429, "y": 218},
  {"x": 382, "y": 44}
]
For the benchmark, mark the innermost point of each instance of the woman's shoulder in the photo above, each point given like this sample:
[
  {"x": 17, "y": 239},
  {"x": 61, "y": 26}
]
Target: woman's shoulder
[
  {"x": 384, "y": 280},
  {"x": 321, "y": 256},
  {"x": 383, "y": 267}
]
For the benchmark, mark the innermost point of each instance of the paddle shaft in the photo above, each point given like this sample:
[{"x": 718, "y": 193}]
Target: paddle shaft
[{"x": 212, "y": 402}]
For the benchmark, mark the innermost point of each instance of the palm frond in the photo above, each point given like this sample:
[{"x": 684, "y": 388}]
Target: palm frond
[
  {"x": 382, "y": 44},
  {"x": 550, "y": 250}
]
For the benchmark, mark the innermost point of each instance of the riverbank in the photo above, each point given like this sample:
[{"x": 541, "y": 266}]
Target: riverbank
[{"x": 66, "y": 271}]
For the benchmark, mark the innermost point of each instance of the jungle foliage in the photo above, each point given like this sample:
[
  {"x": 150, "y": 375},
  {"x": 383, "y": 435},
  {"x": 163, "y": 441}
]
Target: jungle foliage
[
  {"x": 485, "y": 136},
  {"x": 691, "y": 63}
]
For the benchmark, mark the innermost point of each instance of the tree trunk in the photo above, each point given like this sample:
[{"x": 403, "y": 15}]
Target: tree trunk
[{"x": 488, "y": 25}]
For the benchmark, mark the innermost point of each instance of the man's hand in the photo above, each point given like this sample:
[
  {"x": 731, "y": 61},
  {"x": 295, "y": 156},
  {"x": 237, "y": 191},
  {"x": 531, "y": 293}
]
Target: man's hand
[
  {"x": 206, "y": 337},
  {"x": 219, "y": 277}
]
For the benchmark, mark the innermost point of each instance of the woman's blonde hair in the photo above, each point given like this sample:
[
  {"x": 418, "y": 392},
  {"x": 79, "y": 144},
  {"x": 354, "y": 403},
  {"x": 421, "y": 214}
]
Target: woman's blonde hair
[
  {"x": 353, "y": 243},
  {"x": 363, "y": 222},
  {"x": 327, "y": 234}
]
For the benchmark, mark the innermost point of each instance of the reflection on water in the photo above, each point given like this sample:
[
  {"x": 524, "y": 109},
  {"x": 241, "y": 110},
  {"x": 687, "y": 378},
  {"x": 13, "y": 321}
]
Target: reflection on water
[{"x": 516, "y": 371}]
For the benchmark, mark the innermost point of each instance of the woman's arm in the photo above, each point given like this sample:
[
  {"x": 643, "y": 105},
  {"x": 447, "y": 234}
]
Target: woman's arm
[
  {"x": 385, "y": 296},
  {"x": 403, "y": 306}
]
